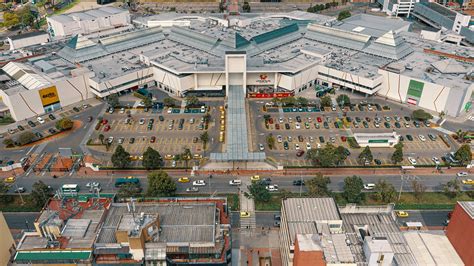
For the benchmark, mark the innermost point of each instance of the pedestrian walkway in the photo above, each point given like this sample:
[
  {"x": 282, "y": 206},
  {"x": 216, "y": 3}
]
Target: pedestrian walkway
[{"x": 247, "y": 205}]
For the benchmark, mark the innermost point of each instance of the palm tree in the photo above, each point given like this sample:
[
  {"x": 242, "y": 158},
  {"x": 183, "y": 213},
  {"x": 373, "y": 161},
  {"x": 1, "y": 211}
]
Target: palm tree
[
  {"x": 101, "y": 138},
  {"x": 461, "y": 135},
  {"x": 204, "y": 139}
]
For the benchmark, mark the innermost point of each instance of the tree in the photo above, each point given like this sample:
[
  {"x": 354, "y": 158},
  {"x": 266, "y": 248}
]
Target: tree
[
  {"x": 147, "y": 102},
  {"x": 327, "y": 156},
  {"x": 452, "y": 188},
  {"x": 418, "y": 189},
  {"x": 40, "y": 193},
  {"x": 26, "y": 137},
  {"x": 221, "y": 7},
  {"x": 120, "y": 158},
  {"x": 301, "y": 101},
  {"x": 129, "y": 190},
  {"x": 169, "y": 102},
  {"x": 461, "y": 135},
  {"x": 343, "y": 15},
  {"x": 8, "y": 143},
  {"x": 463, "y": 154},
  {"x": 259, "y": 192},
  {"x": 191, "y": 101},
  {"x": 152, "y": 159},
  {"x": 271, "y": 141},
  {"x": 3, "y": 190},
  {"x": 318, "y": 186},
  {"x": 64, "y": 124},
  {"x": 326, "y": 101},
  {"x": 288, "y": 101},
  {"x": 365, "y": 156},
  {"x": 421, "y": 115},
  {"x": 204, "y": 137},
  {"x": 186, "y": 156},
  {"x": 246, "y": 7},
  {"x": 397, "y": 155},
  {"x": 353, "y": 186},
  {"x": 10, "y": 19},
  {"x": 113, "y": 100},
  {"x": 343, "y": 100},
  {"x": 384, "y": 191},
  {"x": 101, "y": 138},
  {"x": 160, "y": 184}
]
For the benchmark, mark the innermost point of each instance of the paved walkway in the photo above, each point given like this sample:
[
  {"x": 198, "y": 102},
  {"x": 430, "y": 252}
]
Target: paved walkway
[{"x": 248, "y": 205}]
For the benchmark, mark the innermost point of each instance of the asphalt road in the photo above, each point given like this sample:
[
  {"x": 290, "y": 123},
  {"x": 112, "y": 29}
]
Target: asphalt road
[{"x": 427, "y": 218}]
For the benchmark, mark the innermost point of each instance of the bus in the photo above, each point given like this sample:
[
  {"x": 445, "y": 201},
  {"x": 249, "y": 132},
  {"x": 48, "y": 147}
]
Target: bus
[
  {"x": 70, "y": 189},
  {"x": 128, "y": 180}
]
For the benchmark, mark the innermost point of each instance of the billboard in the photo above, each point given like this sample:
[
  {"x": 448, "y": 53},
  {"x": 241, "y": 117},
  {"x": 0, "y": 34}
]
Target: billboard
[
  {"x": 415, "y": 88},
  {"x": 49, "y": 96}
]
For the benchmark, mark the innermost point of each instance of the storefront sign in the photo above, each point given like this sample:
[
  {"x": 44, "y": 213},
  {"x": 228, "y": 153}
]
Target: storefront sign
[
  {"x": 49, "y": 96},
  {"x": 412, "y": 101},
  {"x": 263, "y": 79},
  {"x": 378, "y": 140},
  {"x": 271, "y": 95}
]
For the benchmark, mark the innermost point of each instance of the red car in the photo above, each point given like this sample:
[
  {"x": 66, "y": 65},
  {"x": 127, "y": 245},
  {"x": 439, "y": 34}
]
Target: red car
[
  {"x": 104, "y": 121},
  {"x": 299, "y": 153},
  {"x": 277, "y": 126},
  {"x": 152, "y": 139},
  {"x": 343, "y": 138},
  {"x": 319, "y": 119},
  {"x": 107, "y": 128},
  {"x": 270, "y": 121}
]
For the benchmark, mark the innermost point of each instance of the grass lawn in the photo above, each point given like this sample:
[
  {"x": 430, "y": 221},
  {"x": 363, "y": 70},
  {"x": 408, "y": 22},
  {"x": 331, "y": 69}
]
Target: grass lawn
[
  {"x": 6, "y": 120},
  {"x": 16, "y": 205}
]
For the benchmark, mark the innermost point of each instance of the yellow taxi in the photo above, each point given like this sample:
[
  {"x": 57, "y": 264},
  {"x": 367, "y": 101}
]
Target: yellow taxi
[
  {"x": 468, "y": 182},
  {"x": 197, "y": 156},
  {"x": 221, "y": 136},
  {"x": 129, "y": 177},
  {"x": 183, "y": 179},
  {"x": 10, "y": 179},
  {"x": 244, "y": 214},
  {"x": 169, "y": 157},
  {"x": 255, "y": 178},
  {"x": 133, "y": 157},
  {"x": 401, "y": 214},
  {"x": 222, "y": 127},
  {"x": 221, "y": 108}
]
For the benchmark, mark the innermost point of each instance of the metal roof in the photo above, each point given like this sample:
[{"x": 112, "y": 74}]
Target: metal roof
[
  {"x": 311, "y": 209},
  {"x": 52, "y": 255},
  {"x": 468, "y": 207},
  {"x": 27, "y": 35}
]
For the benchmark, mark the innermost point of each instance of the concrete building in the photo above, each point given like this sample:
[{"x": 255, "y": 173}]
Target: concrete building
[
  {"x": 398, "y": 7},
  {"x": 460, "y": 230},
  {"x": 27, "y": 39},
  {"x": 377, "y": 140},
  {"x": 7, "y": 245},
  {"x": 87, "y": 22},
  {"x": 308, "y": 251}
]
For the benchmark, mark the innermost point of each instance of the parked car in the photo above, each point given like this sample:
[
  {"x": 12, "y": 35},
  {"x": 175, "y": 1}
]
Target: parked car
[
  {"x": 52, "y": 117},
  {"x": 369, "y": 186},
  {"x": 272, "y": 188},
  {"x": 31, "y": 123},
  {"x": 412, "y": 160},
  {"x": 235, "y": 182},
  {"x": 298, "y": 182},
  {"x": 40, "y": 120},
  {"x": 299, "y": 153}
]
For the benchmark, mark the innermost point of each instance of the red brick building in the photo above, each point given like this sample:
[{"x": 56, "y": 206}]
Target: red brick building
[
  {"x": 308, "y": 251},
  {"x": 460, "y": 231}
]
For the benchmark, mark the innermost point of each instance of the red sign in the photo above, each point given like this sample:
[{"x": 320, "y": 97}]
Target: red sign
[
  {"x": 412, "y": 101},
  {"x": 271, "y": 95}
]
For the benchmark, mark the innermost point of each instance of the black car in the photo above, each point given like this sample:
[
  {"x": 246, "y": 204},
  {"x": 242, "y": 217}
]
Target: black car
[
  {"x": 39, "y": 135},
  {"x": 161, "y": 118},
  {"x": 298, "y": 119},
  {"x": 409, "y": 137},
  {"x": 402, "y": 138},
  {"x": 416, "y": 124},
  {"x": 397, "y": 125},
  {"x": 377, "y": 162},
  {"x": 151, "y": 121},
  {"x": 20, "y": 127},
  {"x": 349, "y": 119},
  {"x": 31, "y": 124},
  {"x": 287, "y": 126},
  {"x": 298, "y": 182},
  {"x": 326, "y": 125},
  {"x": 321, "y": 139},
  {"x": 75, "y": 109},
  {"x": 336, "y": 125},
  {"x": 407, "y": 118},
  {"x": 347, "y": 152},
  {"x": 131, "y": 140},
  {"x": 352, "y": 108},
  {"x": 52, "y": 117},
  {"x": 267, "y": 181},
  {"x": 52, "y": 130}
]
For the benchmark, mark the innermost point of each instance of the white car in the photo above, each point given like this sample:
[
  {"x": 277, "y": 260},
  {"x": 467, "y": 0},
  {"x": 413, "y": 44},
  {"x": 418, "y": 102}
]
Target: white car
[
  {"x": 461, "y": 174},
  {"x": 88, "y": 184},
  {"x": 170, "y": 110},
  {"x": 318, "y": 145},
  {"x": 40, "y": 120},
  {"x": 412, "y": 160},
  {"x": 297, "y": 146},
  {"x": 309, "y": 119},
  {"x": 261, "y": 147},
  {"x": 95, "y": 184},
  {"x": 422, "y": 138},
  {"x": 377, "y": 125},
  {"x": 297, "y": 126},
  {"x": 333, "y": 108},
  {"x": 435, "y": 160},
  {"x": 369, "y": 186},
  {"x": 192, "y": 189},
  {"x": 110, "y": 140},
  {"x": 142, "y": 121},
  {"x": 173, "y": 163},
  {"x": 308, "y": 146},
  {"x": 407, "y": 125},
  {"x": 272, "y": 188},
  {"x": 311, "y": 139},
  {"x": 290, "y": 120},
  {"x": 121, "y": 140},
  {"x": 235, "y": 182},
  {"x": 280, "y": 120},
  {"x": 279, "y": 139},
  {"x": 122, "y": 110},
  {"x": 203, "y": 109},
  {"x": 199, "y": 183}
]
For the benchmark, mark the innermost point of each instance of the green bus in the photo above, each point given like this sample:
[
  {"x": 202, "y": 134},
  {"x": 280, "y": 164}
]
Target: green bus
[{"x": 128, "y": 180}]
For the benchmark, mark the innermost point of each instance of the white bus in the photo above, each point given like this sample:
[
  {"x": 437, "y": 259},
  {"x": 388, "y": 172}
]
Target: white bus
[{"x": 70, "y": 189}]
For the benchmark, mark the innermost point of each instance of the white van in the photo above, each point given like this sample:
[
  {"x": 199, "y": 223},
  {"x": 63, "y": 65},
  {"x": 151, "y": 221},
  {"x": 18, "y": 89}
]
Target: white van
[
  {"x": 369, "y": 186},
  {"x": 235, "y": 182}
]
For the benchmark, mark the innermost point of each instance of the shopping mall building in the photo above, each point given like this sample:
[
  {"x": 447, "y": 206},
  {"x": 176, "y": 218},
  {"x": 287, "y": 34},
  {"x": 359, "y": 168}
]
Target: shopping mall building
[{"x": 262, "y": 54}]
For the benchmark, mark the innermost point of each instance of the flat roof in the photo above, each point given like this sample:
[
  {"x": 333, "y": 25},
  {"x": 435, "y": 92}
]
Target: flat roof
[
  {"x": 311, "y": 209},
  {"x": 432, "y": 248},
  {"x": 27, "y": 35}
]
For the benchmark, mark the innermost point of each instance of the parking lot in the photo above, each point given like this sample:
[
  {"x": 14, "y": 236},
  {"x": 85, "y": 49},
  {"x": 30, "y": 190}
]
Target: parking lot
[
  {"x": 168, "y": 131},
  {"x": 302, "y": 128}
]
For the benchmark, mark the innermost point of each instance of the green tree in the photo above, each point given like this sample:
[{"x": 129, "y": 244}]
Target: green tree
[
  {"x": 343, "y": 15},
  {"x": 192, "y": 101},
  {"x": 8, "y": 143},
  {"x": 343, "y": 100},
  {"x": 397, "y": 155},
  {"x": 341, "y": 154},
  {"x": 40, "y": 193},
  {"x": 204, "y": 137},
  {"x": 353, "y": 186},
  {"x": 186, "y": 156},
  {"x": 288, "y": 101},
  {"x": 258, "y": 192},
  {"x": 148, "y": 102},
  {"x": 160, "y": 184},
  {"x": 327, "y": 156},
  {"x": 318, "y": 186},
  {"x": 384, "y": 191},
  {"x": 418, "y": 190},
  {"x": 113, "y": 100},
  {"x": 152, "y": 159},
  {"x": 271, "y": 141},
  {"x": 464, "y": 154},
  {"x": 10, "y": 19},
  {"x": 129, "y": 190},
  {"x": 101, "y": 138},
  {"x": 461, "y": 135},
  {"x": 365, "y": 156},
  {"x": 326, "y": 101},
  {"x": 26, "y": 137},
  {"x": 3, "y": 190},
  {"x": 246, "y": 7},
  {"x": 421, "y": 115},
  {"x": 169, "y": 102},
  {"x": 120, "y": 158},
  {"x": 301, "y": 101},
  {"x": 27, "y": 17},
  {"x": 64, "y": 124},
  {"x": 207, "y": 118},
  {"x": 452, "y": 188}
]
